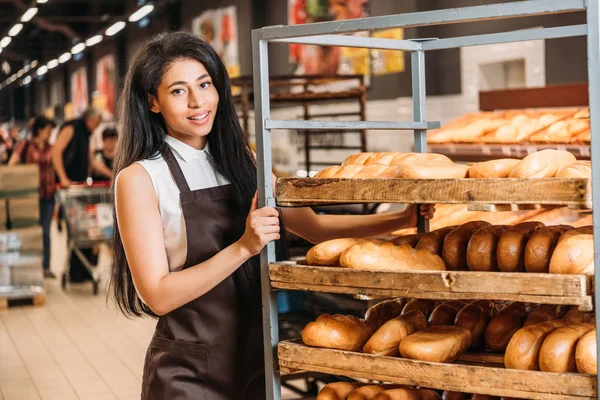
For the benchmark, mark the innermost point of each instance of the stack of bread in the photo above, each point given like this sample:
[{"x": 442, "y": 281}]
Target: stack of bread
[
  {"x": 474, "y": 246},
  {"x": 363, "y": 391}
]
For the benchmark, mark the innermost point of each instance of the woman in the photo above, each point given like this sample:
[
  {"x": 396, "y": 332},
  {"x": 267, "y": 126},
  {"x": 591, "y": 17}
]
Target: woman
[
  {"x": 38, "y": 151},
  {"x": 188, "y": 225}
]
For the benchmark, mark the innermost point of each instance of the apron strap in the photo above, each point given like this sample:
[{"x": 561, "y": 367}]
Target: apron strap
[{"x": 175, "y": 169}]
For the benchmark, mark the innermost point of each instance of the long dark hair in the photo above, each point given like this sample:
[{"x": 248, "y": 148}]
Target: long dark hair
[{"x": 142, "y": 136}]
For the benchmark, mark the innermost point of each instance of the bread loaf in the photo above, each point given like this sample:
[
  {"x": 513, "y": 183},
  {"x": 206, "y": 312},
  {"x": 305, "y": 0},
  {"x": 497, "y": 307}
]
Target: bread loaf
[
  {"x": 337, "y": 390},
  {"x": 428, "y": 394},
  {"x": 388, "y": 257},
  {"x": 367, "y": 392},
  {"x": 574, "y": 253},
  {"x": 523, "y": 350},
  {"x": 410, "y": 240},
  {"x": 511, "y": 246},
  {"x": 431, "y": 170},
  {"x": 481, "y": 250},
  {"x": 385, "y": 341},
  {"x": 368, "y": 171},
  {"x": 399, "y": 394},
  {"x": 329, "y": 172},
  {"x": 380, "y": 158},
  {"x": 445, "y": 313},
  {"x": 542, "y": 164},
  {"x": 436, "y": 344},
  {"x": 543, "y": 313},
  {"x": 342, "y": 332},
  {"x": 455, "y": 396},
  {"x": 540, "y": 246},
  {"x": 403, "y": 158},
  {"x": 384, "y": 311},
  {"x": 558, "y": 350},
  {"x": 493, "y": 169},
  {"x": 423, "y": 305},
  {"x": 474, "y": 318},
  {"x": 579, "y": 169},
  {"x": 575, "y": 316},
  {"x": 358, "y": 158},
  {"x": 503, "y": 326},
  {"x": 586, "y": 354},
  {"x": 329, "y": 252},
  {"x": 454, "y": 251},
  {"x": 434, "y": 241}
]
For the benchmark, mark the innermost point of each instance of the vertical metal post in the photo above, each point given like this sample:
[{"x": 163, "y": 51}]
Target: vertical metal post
[
  {"x": 593, "y": 48},
  {"x": 419, "y": 113},
  {"x": 262, "y": 112}
]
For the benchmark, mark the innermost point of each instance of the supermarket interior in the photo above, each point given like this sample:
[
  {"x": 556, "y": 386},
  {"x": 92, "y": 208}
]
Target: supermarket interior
[{"x": 299, "y": 199}]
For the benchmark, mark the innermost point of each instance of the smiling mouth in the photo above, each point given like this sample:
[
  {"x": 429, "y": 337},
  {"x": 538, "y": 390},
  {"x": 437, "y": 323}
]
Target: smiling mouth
[{"x": 200, "y": 117}]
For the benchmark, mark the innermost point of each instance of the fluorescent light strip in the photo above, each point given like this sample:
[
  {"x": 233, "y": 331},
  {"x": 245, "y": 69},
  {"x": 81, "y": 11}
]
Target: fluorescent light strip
[
  {"x": 93, "y": 40},
  {"x": 5, "y": 41},
  {"x": 64, "y": 58},
  {"x": 78, "y": 48},
  {"x": 141, "y": 13},
  {"x": 14, "y": 31},
  {"x": 29, "y": 14},
  {"x": 116, "y": 27}
]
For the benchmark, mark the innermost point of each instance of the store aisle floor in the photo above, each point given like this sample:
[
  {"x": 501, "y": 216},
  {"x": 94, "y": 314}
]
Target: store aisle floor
[{"x": 76, "y": 346}]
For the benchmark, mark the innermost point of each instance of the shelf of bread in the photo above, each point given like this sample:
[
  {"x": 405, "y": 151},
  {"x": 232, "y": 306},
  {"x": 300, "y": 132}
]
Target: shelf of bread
[
  {"x": 473, "y": 152},
  {"x": 458, "y": 377}
]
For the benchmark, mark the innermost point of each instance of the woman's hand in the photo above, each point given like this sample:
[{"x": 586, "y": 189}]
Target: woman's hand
[
  {"x": 262, "y": 227},
  {"x": 413, "y": 210}
]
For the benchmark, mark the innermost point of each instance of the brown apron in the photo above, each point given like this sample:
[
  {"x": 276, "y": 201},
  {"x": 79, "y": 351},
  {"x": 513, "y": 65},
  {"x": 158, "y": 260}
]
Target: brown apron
[{"x": 210, "y": 348}]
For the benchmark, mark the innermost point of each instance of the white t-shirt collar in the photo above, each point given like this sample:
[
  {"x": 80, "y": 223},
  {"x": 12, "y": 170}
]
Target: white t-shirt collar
[{"x": 186, "y": 152}]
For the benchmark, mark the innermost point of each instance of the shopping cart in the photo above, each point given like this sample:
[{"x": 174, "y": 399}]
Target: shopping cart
[{"x": 87, "y": 211}]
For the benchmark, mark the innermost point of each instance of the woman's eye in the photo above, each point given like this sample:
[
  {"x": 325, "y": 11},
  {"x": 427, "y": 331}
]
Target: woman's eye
[
  {"x": 177, "y": 91},
  {"x": 204, "y": 85}
]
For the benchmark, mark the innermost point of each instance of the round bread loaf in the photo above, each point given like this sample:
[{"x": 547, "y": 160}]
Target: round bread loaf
[
  {"x": 337, "y": 390},
  {"x": 386, "y": 340},
  {"x": 543, "y": 313},
  {"x": 481, "y": 250},
  {"x": 388, "y": 257},
  {"x": 500, "y": 168},
  {"x": 540, "y": 246},
  {"x": 384, "y": 311},
  {"x": 342, "y": 332},
  {"x": 474, "y": 318},
  {"x": 436, "y": 344},
  {"x": 434, "y": 241},
  {"x": 585, "y": 354},
  {"x": 503, "y": 326},
  {"x": 445, "y": 313},
  {"x": 511, "y": 246},
  {"x": 454, "y": 252},
  {"x": 575, "y": 316},
  {"x": 410, "y": 240},
  {"x": 558, "y": 350},
  {"x": 574, "y": 253},
  {"x": 523, "y": 350},
  {"x": 423, "y": 305},
  {"x": 542, "y": 164},
  {"x": 367, "y": 392},
  {"x": 399, "y": 394}
]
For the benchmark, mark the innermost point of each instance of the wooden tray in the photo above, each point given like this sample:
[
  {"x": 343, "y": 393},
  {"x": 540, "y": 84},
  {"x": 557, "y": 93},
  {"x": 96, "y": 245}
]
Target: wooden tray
[
  {"x": 455, "y": 377},
  {"x": 572, "y": 192},
  {"x": 437, "y": 285}
]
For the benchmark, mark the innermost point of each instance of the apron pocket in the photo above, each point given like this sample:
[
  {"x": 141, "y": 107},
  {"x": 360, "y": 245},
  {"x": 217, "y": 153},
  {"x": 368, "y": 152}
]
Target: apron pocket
[{"x": 176, "y": 347}]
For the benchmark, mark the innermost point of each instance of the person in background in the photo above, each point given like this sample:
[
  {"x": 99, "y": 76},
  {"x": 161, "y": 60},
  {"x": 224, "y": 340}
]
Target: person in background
[
  {"x": 72, "y": 160},
  {"x": 38, "y": 150},
  {"x": 105, "y": 156}
]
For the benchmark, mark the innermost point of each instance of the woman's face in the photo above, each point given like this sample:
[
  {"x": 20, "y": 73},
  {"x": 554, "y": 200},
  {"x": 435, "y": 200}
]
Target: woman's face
[
  {"x": 44, "y": 133},
  {"x": 188, "y": 101}
]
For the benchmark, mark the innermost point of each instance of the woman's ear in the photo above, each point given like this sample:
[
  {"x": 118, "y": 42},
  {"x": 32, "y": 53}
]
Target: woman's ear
[{"x": 153, "y": 104}]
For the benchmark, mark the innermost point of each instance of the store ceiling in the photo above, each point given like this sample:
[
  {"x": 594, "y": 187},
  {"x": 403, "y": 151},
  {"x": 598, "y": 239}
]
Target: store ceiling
[{"x": 56, "y": 27}]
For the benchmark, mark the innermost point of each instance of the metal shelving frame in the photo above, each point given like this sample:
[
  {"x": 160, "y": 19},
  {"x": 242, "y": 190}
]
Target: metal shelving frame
[{"x": 332, "y": 34}]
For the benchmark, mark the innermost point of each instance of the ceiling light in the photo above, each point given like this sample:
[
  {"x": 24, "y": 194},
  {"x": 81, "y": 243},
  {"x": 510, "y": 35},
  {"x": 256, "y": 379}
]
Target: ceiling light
[
  {"x": 33, "y": 64},
  {"x": 42, "y": 1},
  {"x": 52, "y": 64},
  {"x": 27, "y": 80},
  {"x": 26, "y": 68},
  {"x": 93, "y": 40},
  {"x": 116, "y": 27},
  {"x": 29, "y": 14},
  {"x": 78, "y": 48},
  {"x": 0, "y": 49},
  {"x": 20, "y": 73},
  {"x": 42, "y": 70},
  {"x": 5, "y": 41},
  {"x": 14, "y": 31},
  {"x": 64, "y": 58},
  {"x": 141, "y": 13}
]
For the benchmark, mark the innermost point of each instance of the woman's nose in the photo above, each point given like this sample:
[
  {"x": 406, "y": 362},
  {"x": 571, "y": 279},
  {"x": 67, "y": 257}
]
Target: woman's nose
[{"x": 196, "y": 100}]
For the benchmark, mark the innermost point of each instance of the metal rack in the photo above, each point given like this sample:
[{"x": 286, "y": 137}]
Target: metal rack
[{"x": 332, "y": 33}]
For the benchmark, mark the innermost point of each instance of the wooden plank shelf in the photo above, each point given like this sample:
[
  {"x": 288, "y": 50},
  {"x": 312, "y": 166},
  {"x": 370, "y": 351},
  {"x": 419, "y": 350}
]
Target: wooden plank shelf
[
  {"x": 457, "y": 377},
  {"x": 572, "y": 192},
  {"x": 484, "y": 151},
  {"x": 437, "y": 285}
]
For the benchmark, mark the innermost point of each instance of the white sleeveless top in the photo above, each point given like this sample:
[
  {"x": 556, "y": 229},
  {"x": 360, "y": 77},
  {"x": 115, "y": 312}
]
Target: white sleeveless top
[{"x": 199, "y": 174}]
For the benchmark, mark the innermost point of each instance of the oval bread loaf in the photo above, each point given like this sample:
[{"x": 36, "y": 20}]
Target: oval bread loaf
[
  {"x": 523, "y": 350},
  {"x": 481, "y": 250},
  {"x": 511, "y": 246},
  {"x": 358, "y": 158},
  {"x": 575, "y": 316},
  {"x": 399, "y": 394},
  {"x": 423, "y": 305},
  {"x": 543, "y": 313},
  {"x": 403, "y": 158},
  {"x": 386, "y": 340},
  {"x": 574, "y": 253},
  {"x": 329, "y": 252},
  {"x": 540, "y": 246},
  {"x": 384, "y": 311},
  {"x": 434, "y": 241},
  {"x": 430, "y": 170},
  {"x": 579, "y": 169},
  {"x": 474, "y": 318},
  {"x": 503, "y": 326},
  {"x": 342, "y": 332},
  {"x": 436, "y": 344},
  {"x": 328, "y": 172},
  {"x": 388, "y": 257},
  {"x": 337, "y": 390},
  {"x": 585, "y": 354},
  {"x": 445, "y": 313},
  {"x": 454, "y": 251},
  {"x": 542, "y": 164},
  {"x": 410, "y": 240},
  {"x": 367, "y": 392},
  {"x": 493, "y": 169},
  {"x": 558, "y": 350}
]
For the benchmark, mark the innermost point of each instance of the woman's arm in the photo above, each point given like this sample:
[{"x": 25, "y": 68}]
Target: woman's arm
[
  {"x": 141, "y": 230},
  {"x": 15, "y": 158}
]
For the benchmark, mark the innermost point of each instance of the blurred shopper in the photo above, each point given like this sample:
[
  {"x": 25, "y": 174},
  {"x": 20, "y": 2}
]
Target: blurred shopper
[
  {"x": 103, "y": 162},
  {"x": 38, "y": 150}
]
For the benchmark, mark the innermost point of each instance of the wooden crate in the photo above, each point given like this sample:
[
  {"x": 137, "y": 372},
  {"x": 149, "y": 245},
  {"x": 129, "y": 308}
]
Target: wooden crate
[
  {"x": 438, "y": 285},
  {"x": 24, "y": 211},
  {"x": 572, "y": 192},
  {"x": 19, "y": 180},
  {"x": 457, "y": 377}
]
